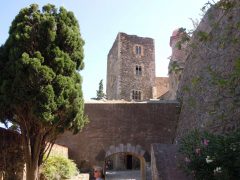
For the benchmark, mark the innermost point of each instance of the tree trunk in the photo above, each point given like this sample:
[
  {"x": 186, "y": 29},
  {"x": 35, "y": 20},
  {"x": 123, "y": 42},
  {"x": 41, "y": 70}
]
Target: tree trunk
[
  {"x": 32, "y": 172},
  {"x": 33, "y": 139},
  {"x": 32, "y": 146}
]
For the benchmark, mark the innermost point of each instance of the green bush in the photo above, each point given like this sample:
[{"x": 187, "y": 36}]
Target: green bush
[
  {"x": 58, "y": 167},
  {"x": 211, "y": 157}
]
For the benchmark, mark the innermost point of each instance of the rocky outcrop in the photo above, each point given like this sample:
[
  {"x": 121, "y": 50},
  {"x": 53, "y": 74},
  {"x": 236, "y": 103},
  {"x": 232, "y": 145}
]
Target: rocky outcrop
[{"x": 209, "y": 91}]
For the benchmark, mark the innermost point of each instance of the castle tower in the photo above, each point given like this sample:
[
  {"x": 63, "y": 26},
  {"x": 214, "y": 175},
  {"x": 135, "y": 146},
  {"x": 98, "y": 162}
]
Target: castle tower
[
  {"x": 178, "y": 54},
  {"x": 177, "y": 61},
  {"x": 131, "y": 68}
]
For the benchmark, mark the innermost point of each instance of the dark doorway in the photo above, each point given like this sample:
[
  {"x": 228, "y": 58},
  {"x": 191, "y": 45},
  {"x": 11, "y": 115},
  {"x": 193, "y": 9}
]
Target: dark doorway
[
  {"x": 129, "y": 161},
  {"x": 123, "y": 165}
]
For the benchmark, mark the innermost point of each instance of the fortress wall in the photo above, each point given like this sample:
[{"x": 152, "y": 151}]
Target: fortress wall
[{"x": 112, "y": 124}]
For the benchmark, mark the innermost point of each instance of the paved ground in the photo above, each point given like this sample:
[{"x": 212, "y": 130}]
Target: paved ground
[{"x": 123, "y": 175}]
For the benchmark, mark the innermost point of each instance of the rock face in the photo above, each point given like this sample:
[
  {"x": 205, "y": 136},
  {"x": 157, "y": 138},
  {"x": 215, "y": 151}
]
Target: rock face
[{"x": 210, "y": 87}]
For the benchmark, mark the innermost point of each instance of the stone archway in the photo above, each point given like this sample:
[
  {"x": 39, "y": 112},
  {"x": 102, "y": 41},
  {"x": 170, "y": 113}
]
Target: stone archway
[{"x": 137, "y": 151}]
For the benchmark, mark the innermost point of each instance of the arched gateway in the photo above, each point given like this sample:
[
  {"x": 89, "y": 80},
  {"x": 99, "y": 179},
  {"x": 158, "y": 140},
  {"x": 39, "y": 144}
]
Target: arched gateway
[
  {"x": 131, "y": 150},
  {"x": 116, "y": 128}
]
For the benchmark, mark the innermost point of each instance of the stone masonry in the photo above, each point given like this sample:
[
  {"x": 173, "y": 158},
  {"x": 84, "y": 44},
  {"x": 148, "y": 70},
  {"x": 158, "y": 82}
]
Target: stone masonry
[
  {"x": 165, "y": 160},
  {"x": 161, "y": 87},
  {"x": 207, "y": 104},
  {"x": 131, "y": 68},
  {"x": 176, "y": 64},
  {"x": 121, "y": 127}
]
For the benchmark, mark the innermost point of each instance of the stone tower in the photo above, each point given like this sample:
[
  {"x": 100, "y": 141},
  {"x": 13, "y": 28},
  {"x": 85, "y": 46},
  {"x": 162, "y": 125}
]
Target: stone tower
[
  {"x": 177, "y": 62},
  {"x": 131, "y": 68}
]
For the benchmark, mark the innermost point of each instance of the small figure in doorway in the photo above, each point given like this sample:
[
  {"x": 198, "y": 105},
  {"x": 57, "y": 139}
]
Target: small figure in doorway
[
  {"x": 98, "y": 173},
  {"x": 108, "y": 165}
]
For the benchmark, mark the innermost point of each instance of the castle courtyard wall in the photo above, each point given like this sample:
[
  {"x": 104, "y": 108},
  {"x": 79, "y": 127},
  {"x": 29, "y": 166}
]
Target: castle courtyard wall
[{"x": 113, "y": 124}]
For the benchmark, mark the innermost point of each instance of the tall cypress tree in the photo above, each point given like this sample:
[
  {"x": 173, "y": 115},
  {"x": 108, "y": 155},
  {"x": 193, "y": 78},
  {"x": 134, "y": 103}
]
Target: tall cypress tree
[
  {"x": 40, "y": 84},
  {"x": 100, "y": 93}
]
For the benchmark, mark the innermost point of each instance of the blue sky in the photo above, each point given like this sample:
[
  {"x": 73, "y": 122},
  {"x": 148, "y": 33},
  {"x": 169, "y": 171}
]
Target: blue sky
[{"x": 101, "y": 20}]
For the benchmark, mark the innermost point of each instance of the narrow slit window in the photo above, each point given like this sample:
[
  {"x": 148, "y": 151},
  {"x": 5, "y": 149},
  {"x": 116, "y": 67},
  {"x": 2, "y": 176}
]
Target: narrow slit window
[
  {"x": 138, "y": 70},
  {"x": 139, "y": 49}
]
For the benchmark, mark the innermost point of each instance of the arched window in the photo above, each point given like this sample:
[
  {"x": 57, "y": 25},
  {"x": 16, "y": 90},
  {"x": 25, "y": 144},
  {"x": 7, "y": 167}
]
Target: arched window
[{"x": 138, "y": 50}]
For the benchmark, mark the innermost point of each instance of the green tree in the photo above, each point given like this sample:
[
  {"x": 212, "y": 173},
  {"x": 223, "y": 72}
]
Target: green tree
[
  {"x": 40, "y": 87},
  {"x": 100, "y": 93}
]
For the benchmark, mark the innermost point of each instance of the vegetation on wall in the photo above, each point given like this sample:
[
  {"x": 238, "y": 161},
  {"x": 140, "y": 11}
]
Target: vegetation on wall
[
  {"x": 207, "y": 46},
  {"x": 174, "y": 67},
  {"x": 227, "y": 91},
  {"x": 215, "y": 89}
]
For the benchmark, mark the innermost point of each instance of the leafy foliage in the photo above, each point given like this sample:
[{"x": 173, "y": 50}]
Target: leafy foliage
[
  {"x": 227, "y": 86},
  {"x": 58, "y": 167},
  {"x": 40, "y": 86},
  {"x": 203, "y": 36},
  {"x": 211, "y": 157},
  {"x": 174, "y": 67},
  {"x": 225, "y": 4},
  {"x": 39, "y": 61},
  {"x": 100, "y": 93},
  {"x": 185, "y": 37}
]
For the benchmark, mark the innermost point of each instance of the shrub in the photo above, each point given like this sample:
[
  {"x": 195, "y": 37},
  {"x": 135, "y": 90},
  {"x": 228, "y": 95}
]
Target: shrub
[
  {"x": 211, "y": 157},
  {"x": 58, "y": 167}
]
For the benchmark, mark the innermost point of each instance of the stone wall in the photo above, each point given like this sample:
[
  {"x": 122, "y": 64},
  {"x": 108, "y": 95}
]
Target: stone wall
[
  {"x": 113, "y": 71},
  {"x": 165, "y": 161},
  {"x": 208, "y": 92},
  {"x": 122, "y": 62},
  {"x": 58, "y": 150},
  {"x": 161, "y": 86},
  {"x": 177, "y": 63},
  {"x": 113, "y": 124},
  {"x": 11, "y": 156}
]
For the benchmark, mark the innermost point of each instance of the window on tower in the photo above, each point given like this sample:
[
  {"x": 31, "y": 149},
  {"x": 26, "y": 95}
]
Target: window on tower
[
  {"x": 138, "y": 70},
  {"x": 136, "y": 95},
  {"x": 138, "y": 50}
]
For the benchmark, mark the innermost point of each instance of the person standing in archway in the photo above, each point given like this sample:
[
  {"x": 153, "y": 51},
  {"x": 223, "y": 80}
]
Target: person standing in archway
[{"x": 98, "y": 173}]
